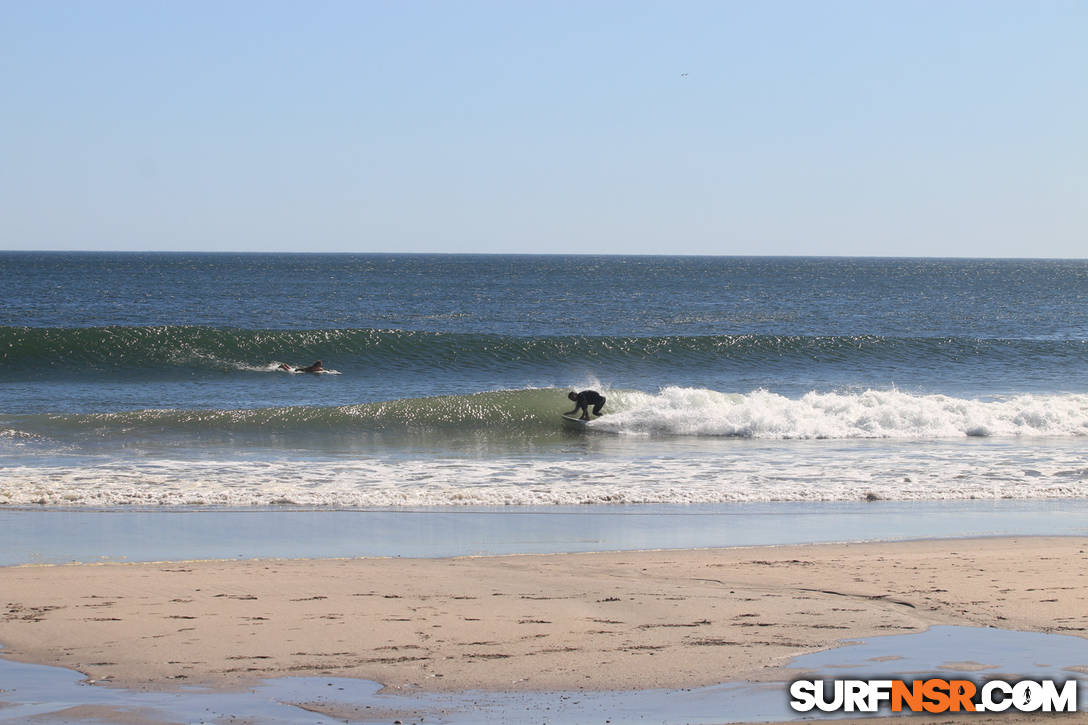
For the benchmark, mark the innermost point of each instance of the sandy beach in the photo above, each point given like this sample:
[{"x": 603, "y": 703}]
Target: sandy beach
[{"x": 606, "y": 621}]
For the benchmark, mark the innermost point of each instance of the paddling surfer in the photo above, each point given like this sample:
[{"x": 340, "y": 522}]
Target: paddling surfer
[
  {"x": 314, "y": 368},
  {"x": 583, "y": 400}
]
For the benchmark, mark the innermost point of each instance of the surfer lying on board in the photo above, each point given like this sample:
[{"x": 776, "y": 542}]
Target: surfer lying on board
[
  {"x": 585, "y": 399},
  {"x": 315, "y": 368}
]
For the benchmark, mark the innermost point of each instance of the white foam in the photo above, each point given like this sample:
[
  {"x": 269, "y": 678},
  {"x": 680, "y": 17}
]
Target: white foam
[
  {"x": 746, "y": 473},
  {"x": 866, "y": 415},
  {"x": 681, "y": 445}
]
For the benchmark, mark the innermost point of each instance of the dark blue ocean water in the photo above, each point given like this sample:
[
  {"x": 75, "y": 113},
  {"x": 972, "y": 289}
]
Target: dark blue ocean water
[
  {"x": 528, "y": 296},
  {"x": 102, "y": 332},
  {"x": 172, "y": 359}
]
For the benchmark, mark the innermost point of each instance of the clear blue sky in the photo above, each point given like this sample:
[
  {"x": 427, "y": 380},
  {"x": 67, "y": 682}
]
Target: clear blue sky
[{"x": 944, "y": 128}]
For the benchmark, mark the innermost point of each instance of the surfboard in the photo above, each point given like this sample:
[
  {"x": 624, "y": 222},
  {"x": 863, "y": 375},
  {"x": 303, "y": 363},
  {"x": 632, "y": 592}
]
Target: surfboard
[{"x": 574, "y": 422}]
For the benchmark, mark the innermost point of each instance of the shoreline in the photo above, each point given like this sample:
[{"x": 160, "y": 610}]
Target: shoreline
[
  {"x": 66, "y": 535},
  {"x": 545, "y": 622}
]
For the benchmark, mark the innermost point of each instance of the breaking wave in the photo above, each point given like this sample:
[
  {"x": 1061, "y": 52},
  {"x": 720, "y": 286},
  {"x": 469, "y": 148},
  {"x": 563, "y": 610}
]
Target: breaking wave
[{"x": 673, "y": 411}]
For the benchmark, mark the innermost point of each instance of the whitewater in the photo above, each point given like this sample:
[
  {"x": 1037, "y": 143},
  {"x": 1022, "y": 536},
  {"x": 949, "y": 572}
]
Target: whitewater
[{"x": 676, "y": 446}]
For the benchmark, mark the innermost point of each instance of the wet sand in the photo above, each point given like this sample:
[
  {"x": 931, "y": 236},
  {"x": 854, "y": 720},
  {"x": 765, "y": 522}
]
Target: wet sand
[{"x": 605, "y": 621}]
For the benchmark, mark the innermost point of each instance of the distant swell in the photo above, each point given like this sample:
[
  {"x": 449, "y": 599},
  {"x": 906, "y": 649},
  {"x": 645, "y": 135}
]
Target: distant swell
[{"x": 73, "y": 353}]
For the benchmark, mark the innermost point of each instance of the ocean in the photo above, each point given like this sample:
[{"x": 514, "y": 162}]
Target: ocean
[{"x": 153, "y": 380}]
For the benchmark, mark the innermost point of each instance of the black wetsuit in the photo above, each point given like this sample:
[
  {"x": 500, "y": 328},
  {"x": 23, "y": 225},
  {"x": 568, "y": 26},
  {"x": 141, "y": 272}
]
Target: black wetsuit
[{"x": 587, "y": 398}]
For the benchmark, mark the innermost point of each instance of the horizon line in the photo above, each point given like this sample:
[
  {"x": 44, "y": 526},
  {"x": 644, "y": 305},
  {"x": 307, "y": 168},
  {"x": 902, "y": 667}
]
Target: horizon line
[{"x": 537, "y": 254}]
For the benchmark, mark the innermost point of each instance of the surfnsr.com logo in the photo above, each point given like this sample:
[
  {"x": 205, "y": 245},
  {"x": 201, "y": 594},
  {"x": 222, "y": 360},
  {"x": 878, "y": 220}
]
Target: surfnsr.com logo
[{"x": 933, "y": 696}]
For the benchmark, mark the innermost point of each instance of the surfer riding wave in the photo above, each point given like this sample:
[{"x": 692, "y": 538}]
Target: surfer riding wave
[{"x": 583, "y": 400}]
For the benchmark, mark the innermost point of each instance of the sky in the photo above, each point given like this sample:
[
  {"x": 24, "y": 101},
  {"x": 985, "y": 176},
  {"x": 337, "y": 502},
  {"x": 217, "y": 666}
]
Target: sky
[{"x": 909, "y": 128}]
